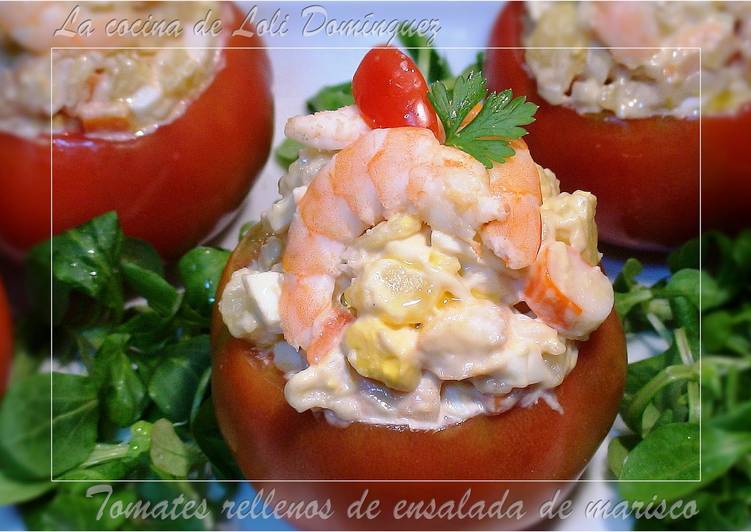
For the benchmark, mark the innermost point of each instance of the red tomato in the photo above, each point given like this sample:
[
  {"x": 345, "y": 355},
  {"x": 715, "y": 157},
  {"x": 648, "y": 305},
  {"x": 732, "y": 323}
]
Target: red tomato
[
  {"x": 390, "y": 91},
  {"x": 645, "y": 172},
  {"x": 173, "y": 187},
  {"x": 6, "y": 339},
  {"x": 270, "y": 440}
]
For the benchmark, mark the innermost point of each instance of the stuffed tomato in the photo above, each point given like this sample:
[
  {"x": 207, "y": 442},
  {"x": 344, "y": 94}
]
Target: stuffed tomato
[
  {"x": 406, "y": 312},
  {"x": 624, "y": 123},
  {"x": 171, "y": 138}
]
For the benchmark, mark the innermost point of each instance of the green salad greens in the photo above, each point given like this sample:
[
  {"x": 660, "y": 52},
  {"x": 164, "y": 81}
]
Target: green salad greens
[
  {"x": 690, "y": 415},
  {"x": 129, "y": 382}
]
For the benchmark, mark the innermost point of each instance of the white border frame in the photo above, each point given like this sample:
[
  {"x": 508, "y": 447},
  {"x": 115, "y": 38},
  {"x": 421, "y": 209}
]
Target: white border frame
[{"x": 374, "y": 481}]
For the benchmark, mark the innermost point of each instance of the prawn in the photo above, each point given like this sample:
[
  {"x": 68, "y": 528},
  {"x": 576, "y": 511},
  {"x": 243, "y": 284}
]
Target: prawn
[
  {"x": 516, "y": 238},
  {"x": 327, "y": 130},
  {"x": 566, "y": 292},
  {"x": 383, "y": 173},
  {"x": 627, "y": 25}
]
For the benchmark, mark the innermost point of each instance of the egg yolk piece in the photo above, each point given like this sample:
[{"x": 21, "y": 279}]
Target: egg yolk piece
[
  {"x": 396, "y": 292},
  {"x": 384, "y": 353}
]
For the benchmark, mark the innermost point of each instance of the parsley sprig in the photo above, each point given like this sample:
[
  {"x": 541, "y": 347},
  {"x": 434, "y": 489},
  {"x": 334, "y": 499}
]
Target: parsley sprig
[{"x": 486, "y": 137}]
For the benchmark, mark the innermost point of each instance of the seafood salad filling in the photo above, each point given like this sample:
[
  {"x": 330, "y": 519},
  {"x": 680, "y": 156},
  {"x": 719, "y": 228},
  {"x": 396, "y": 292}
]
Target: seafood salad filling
[
  {"x": 650, "y": 64},
  {"x": 147, "y": 78},
  {"x": 403, "y": 283}
]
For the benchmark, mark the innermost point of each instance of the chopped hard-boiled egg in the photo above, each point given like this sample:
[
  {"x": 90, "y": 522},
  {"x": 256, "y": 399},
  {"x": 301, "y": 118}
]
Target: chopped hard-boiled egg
[
  {"x": 451, "y": 246},
  {"x": 281, "y": 213},
  {"x": 379, "y": 351},
  {"x": 570, "y": 218},
  {"x": 461, "y": 340},
  {"x": 396, "y": 228},
  {"x": 397, "y": 292},
  {"x": 549, "y": 184},
  {"x": 250, "y": 305},
  {"x": 264, "y": 290}
]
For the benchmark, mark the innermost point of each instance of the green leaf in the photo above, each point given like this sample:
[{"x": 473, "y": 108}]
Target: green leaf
[
  {"x": 142, "y": 254},
  {"x": 74, "y": 511},
  {"x": 724, "y": 515},
  {"x": 149, "y": 332},
  {"x": 25, "y": 425},
  {"x": 618, "y": 450},
  {"x": 432, "y": 65},
  {"x": 331, "y": 98},
  {"x": 200, "y": 271},
  {"x": 738, "y": 419},
  {"x": 634, "y": 405},
  {"x": 208, "y": 436},
  {"x": 174, "y": 382},
  {"x": 128, "y": 393},
  {"x": 671, "y": 453},
  {"x": 742, "y": 250},
  {"x": 168, "y": 453},
  {"x": 685, "y": 315},
  {"x": 121, "y": 389},
  {"x": 689, "y": 283},
  {"x": 500, "y": 119},
  {"x": 485, "y": 151},
  {"x": 453, "y": 106},
  {"x": 668, "y": 453},
  {"x": 43, "y": 288},
  {"x": 626, "y": 302},
  {"x": 14, "y": 491},
  {"x": 87, "y": 259},
  {"x": 686, "y": 256},
  {"x": 720, "y": 450},
  {"x": 501, "y": 116},
  {"x": 162, "y": 296},
  {"x": 109, "y": 471},
  {"x": 287, "y": 152},
  {"x": 638, "y": 375}
]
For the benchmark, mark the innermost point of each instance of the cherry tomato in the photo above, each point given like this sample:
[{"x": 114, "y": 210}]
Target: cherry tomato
[
  {"x": 390, "y": 91},
  {"x": 6, "y": 339},
  {"x": 173, "y": 187},
  {"x": 644, "y": 172},
  {"x": 270, "y": 440}
]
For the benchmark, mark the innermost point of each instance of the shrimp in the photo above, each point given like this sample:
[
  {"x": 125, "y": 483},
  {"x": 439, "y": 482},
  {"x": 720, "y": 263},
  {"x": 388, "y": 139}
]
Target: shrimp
[
  {"x": 516, "y": 239},
  {"x": 627, "y": 24},
  {"x": 567, "y": 293},
  {"x": 384, "y": 173},
  {"x": 327, "y": 130}
]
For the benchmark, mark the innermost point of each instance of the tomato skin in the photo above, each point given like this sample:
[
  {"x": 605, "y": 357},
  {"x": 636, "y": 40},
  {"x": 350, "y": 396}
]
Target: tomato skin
[
  {"x": 644, "y": 172},
  {"x": 390, "y": 91},
  {"x": 726, "y": 171},
  {"x": 173, "y": 187},
  {"x": 6, "y": 339},
  {"x": 270, "y": 440}
]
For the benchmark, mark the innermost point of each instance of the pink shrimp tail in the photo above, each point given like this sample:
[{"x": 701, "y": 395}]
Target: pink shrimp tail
[
  {"x": 330, "y": 335},
  {"x": 516, "y": 239}
]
